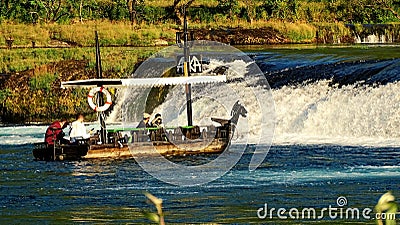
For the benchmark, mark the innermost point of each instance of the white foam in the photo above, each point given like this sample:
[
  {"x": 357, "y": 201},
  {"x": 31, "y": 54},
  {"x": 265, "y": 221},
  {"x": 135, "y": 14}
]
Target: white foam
[
  {"x": 316, "y": 113},
  {"x": 379, "y": 167},
  {"x": 21, "y": 135}
]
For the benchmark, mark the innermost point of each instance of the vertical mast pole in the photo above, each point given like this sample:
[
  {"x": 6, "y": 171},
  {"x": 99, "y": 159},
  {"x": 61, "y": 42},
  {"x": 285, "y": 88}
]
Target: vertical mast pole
[
  {"x": 186, "y": 69},
  {"x": 100, "y": 99}
]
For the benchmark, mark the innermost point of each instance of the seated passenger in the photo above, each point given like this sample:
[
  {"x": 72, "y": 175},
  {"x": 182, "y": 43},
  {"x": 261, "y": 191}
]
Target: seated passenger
[
  {"x": 78, "y": 129},
  {"x": 159, "y": 134},
  {"x": 157, "y": 121},
  {"x": 145, "y": 122},
  {"x": 141, "y": 135},
  {"x": 54, "y": 132}
]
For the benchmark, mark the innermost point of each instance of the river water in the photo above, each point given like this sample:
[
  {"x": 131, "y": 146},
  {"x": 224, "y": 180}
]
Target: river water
[{"x": 336, "y": 137}]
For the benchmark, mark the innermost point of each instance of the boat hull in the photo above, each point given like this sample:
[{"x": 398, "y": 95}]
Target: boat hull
[
  {"x": 157, "y": 147},
  {"x": 42, "y": 151},
  {"x": 103, "y": 151},
  {"x": 148, "y": 141}
]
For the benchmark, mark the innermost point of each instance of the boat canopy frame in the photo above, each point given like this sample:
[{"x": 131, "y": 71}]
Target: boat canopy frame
[{"x": 143, "y": 82}]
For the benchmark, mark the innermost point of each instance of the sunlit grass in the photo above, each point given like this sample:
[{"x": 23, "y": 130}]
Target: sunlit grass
[
  {"x": 122, "y": 33},
  {"x": 117, "y": 60},
  {"x": 23, "y": 34}
]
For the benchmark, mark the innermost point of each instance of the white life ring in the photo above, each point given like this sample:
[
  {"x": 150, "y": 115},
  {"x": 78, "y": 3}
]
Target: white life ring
[{"x": 106, "y": 105}]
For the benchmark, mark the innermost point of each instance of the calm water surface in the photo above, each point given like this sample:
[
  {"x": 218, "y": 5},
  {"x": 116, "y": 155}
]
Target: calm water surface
[{"x": 101, "y": 192}]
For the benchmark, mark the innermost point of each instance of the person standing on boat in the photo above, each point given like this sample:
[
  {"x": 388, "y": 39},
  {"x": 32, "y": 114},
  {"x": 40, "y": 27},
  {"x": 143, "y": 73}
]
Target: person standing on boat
[
  {"x": 78, "y": 129},
  {"x": 55, "y": 132}
]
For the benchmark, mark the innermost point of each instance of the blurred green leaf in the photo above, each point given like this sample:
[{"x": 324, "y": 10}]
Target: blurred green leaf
[
  {"x": 152, "y": 216},
  {"x": 387, "y": 207},
  {"x": 392, "y": 210}
]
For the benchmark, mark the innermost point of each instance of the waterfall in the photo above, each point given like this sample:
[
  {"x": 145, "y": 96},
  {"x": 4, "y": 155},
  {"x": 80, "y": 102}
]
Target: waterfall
[
  {"x": 315, "y": 99},
  {"x": 375, "y": 33},
  {"x": 373, "y": 39},
  {"x": 314, "y": 113},
  {"x": 319, "y": 113}
]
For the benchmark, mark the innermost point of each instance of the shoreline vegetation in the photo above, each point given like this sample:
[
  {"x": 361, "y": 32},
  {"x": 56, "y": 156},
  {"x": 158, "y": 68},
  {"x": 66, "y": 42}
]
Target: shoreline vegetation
[
  {"x": 45, "y": 42},
  {"x": 123, "y": 34}
]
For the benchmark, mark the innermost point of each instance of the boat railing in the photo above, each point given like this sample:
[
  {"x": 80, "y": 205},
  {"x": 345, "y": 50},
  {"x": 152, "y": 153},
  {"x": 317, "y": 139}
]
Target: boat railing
[{"x": 176, "y": 134}]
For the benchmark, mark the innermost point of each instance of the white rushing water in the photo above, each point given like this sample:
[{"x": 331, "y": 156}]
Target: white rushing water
[
  {"x": 18, "y": 135},
  {"x": 373, "y": 39},
  {"x": 316, "y": 113}
]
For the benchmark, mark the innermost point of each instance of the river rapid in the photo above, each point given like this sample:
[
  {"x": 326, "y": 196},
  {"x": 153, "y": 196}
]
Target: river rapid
[{"x": 337, "y": 137}]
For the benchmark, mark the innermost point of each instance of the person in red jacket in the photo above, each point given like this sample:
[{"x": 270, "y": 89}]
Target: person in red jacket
[{"x": 55, "y": 132}]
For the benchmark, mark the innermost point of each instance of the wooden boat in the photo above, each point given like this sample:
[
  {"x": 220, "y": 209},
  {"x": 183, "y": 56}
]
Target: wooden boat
[
  {"x": 186, "y": 140},
  {"x": 117, "y": 143}
]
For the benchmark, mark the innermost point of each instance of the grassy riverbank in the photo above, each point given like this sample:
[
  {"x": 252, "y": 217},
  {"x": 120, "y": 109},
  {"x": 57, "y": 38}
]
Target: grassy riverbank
[
  {"x": 82, "y": 35},
  {"x": 124, "y": 34},
  {"x": 115, "y": 60},
  {"x": 151, "y": 22},
  {"x": 32, "y": 91}
]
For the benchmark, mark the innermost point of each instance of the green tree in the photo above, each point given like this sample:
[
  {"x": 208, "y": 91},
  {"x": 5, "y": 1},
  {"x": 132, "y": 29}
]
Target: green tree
[
  {"x": 364, "y": 11},
  {"x": 178, "y": 8},
  {"x": 384, "y": 6},
  {"x": 16, "y": 10},
  {"x": 229, "y": 7},
  {"x": 293, "y": 6},
  {"x": 278, "y": 9},
  {"x": 48, "y": 11},
  {"x": 348, "y": 10},
  {"x": 133, "y": 6}
]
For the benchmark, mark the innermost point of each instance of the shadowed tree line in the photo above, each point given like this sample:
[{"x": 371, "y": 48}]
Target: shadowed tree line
[{"x": 150, "y": 11}]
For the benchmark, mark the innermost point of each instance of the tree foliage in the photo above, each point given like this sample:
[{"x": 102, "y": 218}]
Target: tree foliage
[{"x": 137, "y": 11}]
